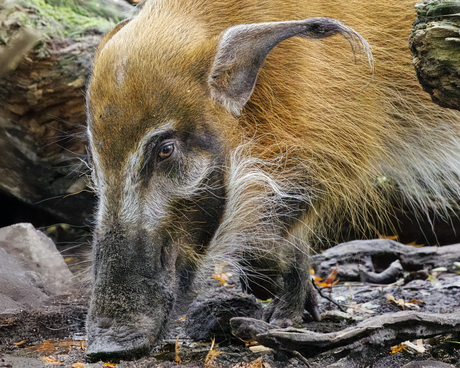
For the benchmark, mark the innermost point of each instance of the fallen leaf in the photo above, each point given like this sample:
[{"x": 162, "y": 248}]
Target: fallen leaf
[
  {"x": 355, "y": 308},
  {"x": 223, "y": 277},
  {"x": 390, "y": 237},
  {"x": 176, "y": 350},
  {"x": 258, "y": 363},
  {"x": 250, "y": 343},
  {"x": 58, "y": 346},
  {"x": 400, "y": 302},
  {"x": 68, "y": 259},
  {"x": 416, "y": 301},
  {"x": 327, "y": 285},
  {"x": 412, "y": 348},
  {"x": 397, "y": 348},
  {"x": 19, "y": 343},
  {"x": 220, "y": 267},
  {"x": 414, "y": 244},
  {"x": 110, "y": 365},
  {"x": 260, "y": 349},
  {"x": 50, "y": 360},
  {"x": 211, "y": 357},
  {"x": 78, "y": 365},
  {"x": 46, "y": 347},
  {"x": 330, "y": 279},
  {"x": 403, "y": 304}
]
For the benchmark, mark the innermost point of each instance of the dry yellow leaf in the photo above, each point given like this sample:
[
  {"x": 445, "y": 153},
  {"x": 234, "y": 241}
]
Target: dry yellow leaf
[
  {"x": 50, "y": 360},
  {"x": 46, "y": 347},
  {"x": 19, "y": 343},
  {"x": 78, "y": 365},
  {"x": 414, "y": 244},
  {"x": 223, "y": 277},
  {"x": 330, "y": 280},
  {"x": 390, "y": 237},
  {"x": 177, "y": 359},
  {"x": 110, "y": 365},
  {"x": 211, "y": 357},
  {"x": 397, "y": 348},
  {"x": 258, "y": 363},
  {"x": 411, "y": 304}
]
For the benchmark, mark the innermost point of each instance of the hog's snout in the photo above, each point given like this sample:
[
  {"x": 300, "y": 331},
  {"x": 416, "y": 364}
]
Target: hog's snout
[
  {"x": 119, "y": 342},
  {"x": 132, "y": 297}
]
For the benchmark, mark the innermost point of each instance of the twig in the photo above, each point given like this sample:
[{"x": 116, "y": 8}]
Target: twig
[{"x": 328, "y": 298}]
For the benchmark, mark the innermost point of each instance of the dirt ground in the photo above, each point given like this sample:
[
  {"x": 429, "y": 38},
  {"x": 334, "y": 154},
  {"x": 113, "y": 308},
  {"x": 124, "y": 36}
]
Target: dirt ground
[{"x": 54, "y": 334}]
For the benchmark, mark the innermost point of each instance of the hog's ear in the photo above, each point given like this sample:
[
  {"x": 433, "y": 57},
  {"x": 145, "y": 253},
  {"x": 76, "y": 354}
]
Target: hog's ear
[
  {"x": 243, "y": 48},
  {"x": 110, "y": 34}
]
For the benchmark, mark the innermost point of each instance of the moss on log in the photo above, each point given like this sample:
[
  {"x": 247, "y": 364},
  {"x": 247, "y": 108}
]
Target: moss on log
[{"x": 435, "y": 47}]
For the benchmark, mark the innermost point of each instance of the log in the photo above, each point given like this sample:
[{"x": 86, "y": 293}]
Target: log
[
  {"x": 385, "y": 330},
  {"x": 359, "y": 259},
  {"x": 42, "y": 115},
  {"x": 435, "y": 46}
]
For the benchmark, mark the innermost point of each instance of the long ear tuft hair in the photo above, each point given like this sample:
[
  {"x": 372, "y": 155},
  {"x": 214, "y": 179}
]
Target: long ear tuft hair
[{"x": 244, "y": 48}]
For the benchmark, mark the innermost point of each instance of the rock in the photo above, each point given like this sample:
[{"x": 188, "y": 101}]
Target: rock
[
  {"x": 435, "y": 46},
  {"x": 372, "y": 257},
  {"x": 19, "y": 288},
  {"x": 31, "y": 268}
]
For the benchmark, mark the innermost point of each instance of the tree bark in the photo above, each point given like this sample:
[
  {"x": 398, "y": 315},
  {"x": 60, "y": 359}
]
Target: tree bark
[
  {"x": 42, "y": 114},
  {"x": 435, "y": 46}
]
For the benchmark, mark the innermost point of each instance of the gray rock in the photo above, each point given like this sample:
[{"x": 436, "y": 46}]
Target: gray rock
[
  {"x": 17, "y": 289},
  {"x": 31, "y": 268}
]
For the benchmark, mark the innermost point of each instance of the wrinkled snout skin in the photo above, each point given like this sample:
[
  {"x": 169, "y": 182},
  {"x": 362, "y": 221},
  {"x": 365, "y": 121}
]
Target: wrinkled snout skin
[{"x": 133, "y": 293}]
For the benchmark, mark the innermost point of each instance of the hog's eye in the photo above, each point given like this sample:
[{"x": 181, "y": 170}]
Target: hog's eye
[{"x": 166, "y": 151}]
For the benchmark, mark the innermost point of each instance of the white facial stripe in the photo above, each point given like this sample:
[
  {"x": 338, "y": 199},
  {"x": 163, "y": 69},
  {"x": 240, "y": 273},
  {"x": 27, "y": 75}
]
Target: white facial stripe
[
  {"x": 130, "y": 209},
  {"x": 98, "y": 180}
]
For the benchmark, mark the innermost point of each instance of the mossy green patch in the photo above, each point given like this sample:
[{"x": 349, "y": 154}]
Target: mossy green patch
[{"x": 63, "y": 18}]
